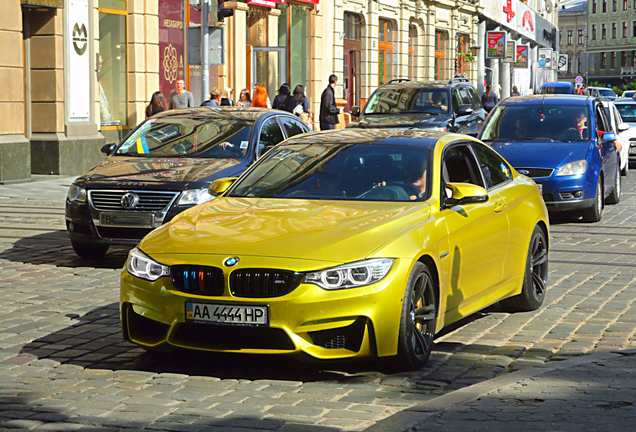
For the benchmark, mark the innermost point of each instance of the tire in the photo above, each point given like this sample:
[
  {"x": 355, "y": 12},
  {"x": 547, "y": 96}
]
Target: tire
[
  {"x": 595, "y": 213},
  {"x": 535, "y": 279},
  {"x": 615, "y": 196},
  {"x": 89, "y": 250},
  {"x": 625, "y": 170},
  {"x": 417, "y": 321}
]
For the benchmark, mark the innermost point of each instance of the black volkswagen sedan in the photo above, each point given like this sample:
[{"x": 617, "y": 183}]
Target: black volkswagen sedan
[{"x": 165, "y": 166}]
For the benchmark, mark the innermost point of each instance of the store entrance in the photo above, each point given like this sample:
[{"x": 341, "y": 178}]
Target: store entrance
[
  {"x": 351, "y": 77},
  {"x": 269, "y": 68}
]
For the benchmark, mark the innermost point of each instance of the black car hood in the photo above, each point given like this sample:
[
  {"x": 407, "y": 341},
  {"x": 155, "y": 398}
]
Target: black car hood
[
  {"x": 422, "y": 121},
  {"x": 160, "y": 173}
]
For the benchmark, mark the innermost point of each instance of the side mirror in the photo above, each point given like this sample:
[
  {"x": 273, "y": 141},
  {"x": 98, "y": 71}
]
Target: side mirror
[
  {"x": 108, "y": 149},
  {"x": 463, "y": 110},
  {"x": 623, "y": 127},
  {"x": 355, "y": 111},
  {"x": 464, "y": 193},
  {"x": 609, "y": 136},
  {"x": 218, "y": 186}
]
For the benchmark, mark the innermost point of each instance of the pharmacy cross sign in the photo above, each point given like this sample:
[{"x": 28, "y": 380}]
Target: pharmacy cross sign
[{"x": 508, "y": 10}]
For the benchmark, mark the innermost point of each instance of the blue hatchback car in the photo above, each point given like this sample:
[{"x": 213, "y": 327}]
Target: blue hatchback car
[{"x": 564, "y": 144}]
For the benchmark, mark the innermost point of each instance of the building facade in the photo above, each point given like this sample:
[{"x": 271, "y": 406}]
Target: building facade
[{"x": 573, "y": 37}]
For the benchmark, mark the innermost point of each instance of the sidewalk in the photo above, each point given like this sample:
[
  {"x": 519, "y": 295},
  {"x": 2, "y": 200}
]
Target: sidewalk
[
  {"x": 589, "y": 393},
  {"x": 49, "y": 188}
]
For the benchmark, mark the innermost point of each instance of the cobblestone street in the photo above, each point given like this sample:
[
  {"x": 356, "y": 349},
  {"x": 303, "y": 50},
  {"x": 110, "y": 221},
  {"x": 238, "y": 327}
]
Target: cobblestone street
[{"x": 64, "y": 365}]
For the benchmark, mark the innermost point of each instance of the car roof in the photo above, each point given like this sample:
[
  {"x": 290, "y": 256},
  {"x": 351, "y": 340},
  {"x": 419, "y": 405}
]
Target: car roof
[
  {"x": 557, "y": 84},
  {"x": 226, "y": 112},
  {"x": 416, "y": 137},
  {"x": 625, "y": 101},
  {"x": 549, "y": 99},
  {"x": 422, "y": 84}
]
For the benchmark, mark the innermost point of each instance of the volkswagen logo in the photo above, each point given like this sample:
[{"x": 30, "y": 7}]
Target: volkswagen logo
[
  {"x": 129, "y": 201},
  {"x": 230, "y": 262},
  {"x": 524, "y": 172}
]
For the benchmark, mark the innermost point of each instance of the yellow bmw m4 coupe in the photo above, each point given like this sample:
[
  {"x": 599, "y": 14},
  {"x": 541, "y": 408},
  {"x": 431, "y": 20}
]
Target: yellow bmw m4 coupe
[{"x": 342, "y": 245}]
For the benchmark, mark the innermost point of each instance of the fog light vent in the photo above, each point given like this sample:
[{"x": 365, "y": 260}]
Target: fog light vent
[{"x": 349, "y": 337}]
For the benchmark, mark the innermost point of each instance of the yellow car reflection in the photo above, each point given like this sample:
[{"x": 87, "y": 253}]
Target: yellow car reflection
[{"x": 348, "y": 244}]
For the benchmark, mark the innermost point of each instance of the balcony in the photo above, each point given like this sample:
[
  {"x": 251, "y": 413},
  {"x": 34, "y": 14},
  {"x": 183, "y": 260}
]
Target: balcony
[{"x": 628, "y": 71}]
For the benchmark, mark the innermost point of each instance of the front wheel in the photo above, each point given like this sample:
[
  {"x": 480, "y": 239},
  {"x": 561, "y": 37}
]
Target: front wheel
[
  {"x": 417, "y": 320},
  {"x": 89, "y": 250},
  {"x": 625, "y": 170},
  {"x": 535, "y": 279},
  {"x": 615, "y": 196},
  {"x": 595, "y": 213}
]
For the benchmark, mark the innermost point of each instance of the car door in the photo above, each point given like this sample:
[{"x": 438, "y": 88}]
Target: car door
[
  {"x": 477, "y": 233},
  {"x": 460, "y": 122},
  {"x": 623, "y": 136},
  {"x": 607, "y": 151},
  {"x": 269, "y": 135}
]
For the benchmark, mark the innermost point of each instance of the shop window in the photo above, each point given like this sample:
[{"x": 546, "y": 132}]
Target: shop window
[
  {"x": 386, "y": 65},
  {"x": 112, "y": 65},
  {"x": 293, "y": 33},
  {"x": 441, "y": 46},
  {"x": 352, "y": 58},
  {"x": 412, "y": 57}
]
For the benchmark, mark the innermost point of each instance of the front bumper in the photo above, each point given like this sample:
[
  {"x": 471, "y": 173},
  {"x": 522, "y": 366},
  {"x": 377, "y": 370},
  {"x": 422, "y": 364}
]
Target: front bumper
[
  {"x": 567, "y": 193},
  {"x": 339, "y": 324}
]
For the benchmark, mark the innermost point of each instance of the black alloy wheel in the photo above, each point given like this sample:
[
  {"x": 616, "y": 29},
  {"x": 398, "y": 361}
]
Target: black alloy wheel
[
  {"x": 417, "y": 321},
  {"x": 535, "y": 280},
  {"x": 595, "y": 212}
]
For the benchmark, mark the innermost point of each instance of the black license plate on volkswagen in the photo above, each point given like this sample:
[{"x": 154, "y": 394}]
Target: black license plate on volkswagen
[{"x": 232, "y": 314}]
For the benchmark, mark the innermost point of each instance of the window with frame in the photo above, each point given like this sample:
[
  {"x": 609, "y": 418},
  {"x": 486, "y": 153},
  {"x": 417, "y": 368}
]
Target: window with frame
[
  {"x": 614, "y": 5},
  {"x": 604, "y": 6},
  {"x": 633, "y": 28},
  {"x": 603, "y": 31},
  {"x": 613, "y": 30},
  {"x": 292, "y": 126},
  {"x": 623, "y": 59},
  {"x": 270, "y": 135},
  {"x": 495, "y": 170},
  {"x": 603, "y": 60},
  {"x": 459, "y": 166},
  {"x": 578, "y": 64},
  {"x": 570, "y": 63},
  {"x": 352, "y": 27},
  {"x": 633, "y": 58},
  {"x": 579, "y": 38},
  {"x": 441, "y": 47},
  {"x": 385, "y": 52},
  {"x": 569, "y": 37},
  {"x": 411, "y": 52},
  {"x": 593, "y": 31},
  {"x": 613, "y": 60},
  {"x": 624, "y": 29},
  {"x": 462, "y": 47},
  {"x": 624, "y": 5},
  {"x": 593, "y": 6}
]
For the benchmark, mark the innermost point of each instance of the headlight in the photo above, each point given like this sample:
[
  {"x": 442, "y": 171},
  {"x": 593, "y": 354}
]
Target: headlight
[
  {"x": 352, "y": 275},
  {"x": 573, "y": 168},
  {"x": 142, "y": 266},
  {"x": 76, "y": 193},
  {"x": 195, "y": 196}
]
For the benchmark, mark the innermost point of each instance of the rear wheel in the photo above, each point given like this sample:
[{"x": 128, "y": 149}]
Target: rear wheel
[
  {"x": 595, "y": 213},
  {"x": 625, "y": 170},
  {"x": 615, "y": 196},
  {"x": 89, "y": 250},
  {"x": 417, "y": 320},
  {"x": 535, "y": 278}
]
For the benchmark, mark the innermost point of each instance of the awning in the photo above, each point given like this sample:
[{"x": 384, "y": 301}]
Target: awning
[{"x": 43, "y": 3}]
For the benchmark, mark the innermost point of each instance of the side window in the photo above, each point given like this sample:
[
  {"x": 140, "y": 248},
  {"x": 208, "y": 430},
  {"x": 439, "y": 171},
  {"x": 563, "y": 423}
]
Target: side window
[
  {"x": 459, "y": 166},
  {"x": 292, "y": 126},
  {"x": 271, "y": 134},
  {"x": 600, "y": 120},
  {"x": 475, "y": 99},
  {"x": 457, "y": 101},
  {"x": 465, "y": 97},
  {"x": 494, "y": 168}
]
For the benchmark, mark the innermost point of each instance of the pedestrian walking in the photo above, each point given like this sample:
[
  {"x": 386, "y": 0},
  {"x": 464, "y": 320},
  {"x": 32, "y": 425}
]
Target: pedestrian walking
[
  {"x": 260, "y": 98},
  {"x": 299, "y": 105},
  {"x": 245, "y": 100},
  {"x": 227, "y": 97},
  {"x": 282, "y": 99},
  {"x": 489, "y": 99},
  {"x": 268, "y": 104},
  {"x": 328, "y": 109},
  {"x": 215, "y": 98},
  {"x": 515, "y": 92},
  {"x": 180, "y": 97},
  {"x": 157, "y": 104}
]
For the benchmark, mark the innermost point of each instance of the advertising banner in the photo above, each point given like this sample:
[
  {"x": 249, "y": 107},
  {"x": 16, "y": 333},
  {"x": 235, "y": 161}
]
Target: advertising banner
[
  {"x": 563, "y": 63},
  {"x": 526, "y": 19},
  {"x": 555, "y": 59},
  {"x": 545, "y": 58},
  {"x": 79, "y": 78},
  {"x": 170, "y": 45},
  {"x": 496, "y": 44},
  {"x": 511, "y": 46},
  {"x": 521, "y": 56}
]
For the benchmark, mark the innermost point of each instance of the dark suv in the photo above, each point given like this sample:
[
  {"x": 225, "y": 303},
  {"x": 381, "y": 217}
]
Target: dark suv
[{"x": 447, "y": 106}]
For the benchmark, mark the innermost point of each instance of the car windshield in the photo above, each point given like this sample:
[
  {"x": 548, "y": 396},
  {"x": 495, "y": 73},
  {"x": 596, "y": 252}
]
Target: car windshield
[
  {"x": 627, "y": 112},
  {"x": 408, "y": 100},
  {"x": 606, "y": 92},
  {"x": 354, "y": 172},
  {"x": 200, "y": 137},
  {"x": 555, "y": 90},
  {"x": 557, "y": 123}
]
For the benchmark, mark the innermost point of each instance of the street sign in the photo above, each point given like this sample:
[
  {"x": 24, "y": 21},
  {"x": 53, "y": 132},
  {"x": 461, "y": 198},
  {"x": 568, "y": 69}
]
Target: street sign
[{"x": 578, "y": 79}]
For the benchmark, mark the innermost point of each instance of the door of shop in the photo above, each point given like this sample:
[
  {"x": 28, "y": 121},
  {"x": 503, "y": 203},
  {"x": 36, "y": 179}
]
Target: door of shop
[
  {"x": 269, "y": 68},
  {"x": 352, "y": 80}
]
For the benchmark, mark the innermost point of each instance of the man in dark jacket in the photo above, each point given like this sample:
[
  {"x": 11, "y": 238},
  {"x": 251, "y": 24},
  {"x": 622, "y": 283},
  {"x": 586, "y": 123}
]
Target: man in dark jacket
[{"x": 328, "y": 109}]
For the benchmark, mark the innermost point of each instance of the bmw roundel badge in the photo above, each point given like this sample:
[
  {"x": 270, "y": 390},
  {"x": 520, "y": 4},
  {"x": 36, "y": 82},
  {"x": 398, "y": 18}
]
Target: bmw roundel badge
[{"x": 231, "y": 262}]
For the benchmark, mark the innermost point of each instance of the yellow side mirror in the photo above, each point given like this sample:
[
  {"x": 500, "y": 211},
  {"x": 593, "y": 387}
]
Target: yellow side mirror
[
  {"x": 218, "y": 186},
  {"x": 464, "y": 193}
]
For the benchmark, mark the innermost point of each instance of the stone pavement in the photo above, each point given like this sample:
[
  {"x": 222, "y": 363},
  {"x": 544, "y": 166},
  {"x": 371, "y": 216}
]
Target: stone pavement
[{"x": 64, "y": 366}]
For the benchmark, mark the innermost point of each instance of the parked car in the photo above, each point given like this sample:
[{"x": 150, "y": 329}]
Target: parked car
[
  {"x": 165, "y": 166},
  {"x": 628, "y": 94},
  {"x": 624, "y": 134},
  {"x": 346, "y": 244},
  {"x": 560, "y": 87},
  {"x": 555, "y": 140},
  {"x": 627, "y": 110},
  {"x": 452, "y": 106},
  {"x": 602, "y": 92}
]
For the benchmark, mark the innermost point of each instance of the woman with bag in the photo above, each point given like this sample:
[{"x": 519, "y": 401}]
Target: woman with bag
[{"x": 299, "y": 105}]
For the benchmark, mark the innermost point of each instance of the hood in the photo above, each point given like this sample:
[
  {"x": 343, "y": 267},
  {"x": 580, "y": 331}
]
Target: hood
[
  {"x": 331, "y": 231},
  {"x": 422, "y": 121},
  {"x": 163, "y": 172},
  {"x": 533, "y": 154}
]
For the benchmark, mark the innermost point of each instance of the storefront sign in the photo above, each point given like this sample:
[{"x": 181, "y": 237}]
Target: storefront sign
[
  {"x": 267, "y": 3},
  {"x": 526, "y": 21},
  {"x": 496, "y": 44},
  {"x": 43, "y": 3},
  {"x": 521, "y": 56},
  {"x": 303, "y": 1},
  {"x": 79, "y": 88},
  {"x": 545, "y": 58},
  {"x": 546, "y": 33},
  {"x": 510, "y": 51},
  {"x": 170, "y": 45},
  {"x": 563, "y": 62}
]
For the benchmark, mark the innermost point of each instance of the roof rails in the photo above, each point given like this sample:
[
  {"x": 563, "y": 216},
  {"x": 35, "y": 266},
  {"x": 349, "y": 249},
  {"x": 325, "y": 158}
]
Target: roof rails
[
  {"x": 398, "y": 80},
  {"x": 456, "y": 80}
]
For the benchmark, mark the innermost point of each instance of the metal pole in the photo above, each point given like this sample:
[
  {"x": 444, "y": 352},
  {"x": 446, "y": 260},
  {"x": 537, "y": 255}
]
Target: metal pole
[{"x": 205, "y": 49}]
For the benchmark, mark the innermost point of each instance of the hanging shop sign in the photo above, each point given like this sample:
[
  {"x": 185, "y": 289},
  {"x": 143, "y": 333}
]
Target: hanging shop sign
[
  {"x": 521, "y": 56},
  {"x": 496, "y": 41},
  {"x": 563, "y": 62},
  {"x": 511, "y": 46},
  {"x": 79, "y": 70},
  {"x": 545, "y": 58},
  {"x": 170, "y": 44},
  {"x": 526, "y": 21}
]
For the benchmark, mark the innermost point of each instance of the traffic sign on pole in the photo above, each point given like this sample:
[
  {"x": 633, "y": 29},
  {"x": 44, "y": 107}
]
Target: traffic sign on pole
[{"x": 579, "y": 79}]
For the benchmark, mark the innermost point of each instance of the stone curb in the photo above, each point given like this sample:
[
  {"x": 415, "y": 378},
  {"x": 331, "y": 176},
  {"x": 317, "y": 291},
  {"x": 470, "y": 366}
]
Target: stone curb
[{"x": 416, "y": 415}]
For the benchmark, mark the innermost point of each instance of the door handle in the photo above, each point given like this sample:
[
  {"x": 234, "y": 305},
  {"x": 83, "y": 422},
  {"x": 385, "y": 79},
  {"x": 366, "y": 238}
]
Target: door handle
[{"x": 499, "y": 206}]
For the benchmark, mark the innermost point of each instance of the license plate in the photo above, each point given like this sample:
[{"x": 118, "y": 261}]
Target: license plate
[
  {"x": 126, "y": 220},
  {"x": 228, "y": 314},
  {"x": 540, "y": 188}
]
